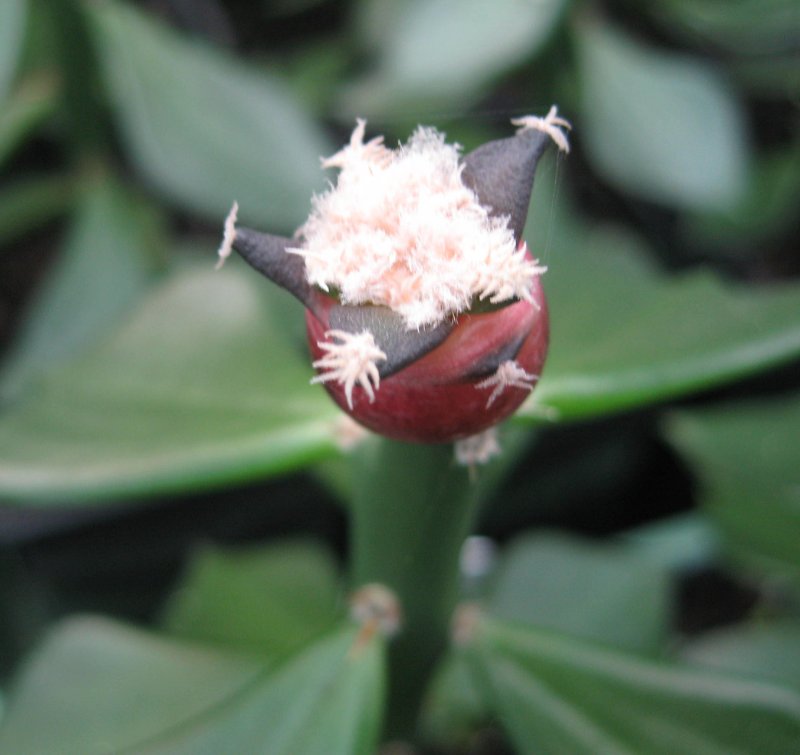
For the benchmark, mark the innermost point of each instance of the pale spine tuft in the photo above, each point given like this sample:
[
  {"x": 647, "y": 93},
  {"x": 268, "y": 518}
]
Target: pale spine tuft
[
  {"x": 509, "y": 375},
  {"x": 228, "y": 236},
  {"x": 477, "y": 449},
  {"x": 519, "y": 270},
  {"x": 351, "y": 359},
  {"x": 552, "y": 125}
]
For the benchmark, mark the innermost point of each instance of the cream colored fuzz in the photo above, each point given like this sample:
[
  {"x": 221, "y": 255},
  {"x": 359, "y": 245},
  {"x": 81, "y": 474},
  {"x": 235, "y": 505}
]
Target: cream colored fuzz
[
  {"x": 509, "y": 276},
  {"x": 376, "y": 608},
  {"x": 228, "y": 236},
  {"x": 401, "y": 229},
  {"x": 552, "y": 125},
  {"x": 347, "y": 433},
  {"x": 509, "y": 375},
  {"x": 477, "y": 449},
  {"x": 351, "y": 358}
]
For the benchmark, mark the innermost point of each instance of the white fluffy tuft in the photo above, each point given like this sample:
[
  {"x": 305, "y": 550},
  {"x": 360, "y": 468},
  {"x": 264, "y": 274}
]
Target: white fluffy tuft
[
  {"x": 509, "y": 375},
  {"x": 477, "y": 449},
  {"x": 229, "y": 236},
  {"x": 350, "y": 358},
  {"x": 401, "y": 229},
  {"x": 552, "y": 124}
]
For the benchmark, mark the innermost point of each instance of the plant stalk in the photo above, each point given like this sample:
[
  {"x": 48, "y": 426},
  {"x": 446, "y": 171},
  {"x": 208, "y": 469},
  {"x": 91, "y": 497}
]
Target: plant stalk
[{"x": 413, "y": 509}]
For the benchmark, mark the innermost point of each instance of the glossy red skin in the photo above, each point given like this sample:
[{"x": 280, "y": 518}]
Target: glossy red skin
[{"x": 431, "y": 400}]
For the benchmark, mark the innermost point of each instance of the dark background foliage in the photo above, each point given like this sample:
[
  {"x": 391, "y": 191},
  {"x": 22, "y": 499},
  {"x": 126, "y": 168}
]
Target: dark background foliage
[{"x": 671, "y": 233}]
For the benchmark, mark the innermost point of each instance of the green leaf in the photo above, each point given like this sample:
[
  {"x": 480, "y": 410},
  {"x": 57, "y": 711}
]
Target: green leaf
[
  {"x": 746, "y": 459},
  {"x": 32, "y": 201},
  {"x": 742, "y": 27},
  {"x": 196, "y": 388},
  {"x": 97, "y": 687},
  {"x": 454, "y": 707},
  {"x": 685, "y": 541},
  {"x": 558, "y": 694},
  {"x": 664, "y": 127},
  {"x": 204, "y": 129},
  {"x": 447, "y": 50},
  {"x": 625, "y": 334},
  {"x": 105, "y": 265},
  {"x": 583, "y": 590},
  {"x": 32, "y": 102},
  {"x": 769, "y": 651},
  {"x": 12, "y": 33},
  {"x": 265, "y": 601},
  {"x": 315, "y": 69},
  {"x": 768, "y": 208},
  {"x": 770, "y": 77},
  {"x": 327, "y": 701}
]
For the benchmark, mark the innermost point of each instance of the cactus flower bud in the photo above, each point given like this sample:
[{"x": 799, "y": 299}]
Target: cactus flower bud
[{"x": 425, "y": 313}]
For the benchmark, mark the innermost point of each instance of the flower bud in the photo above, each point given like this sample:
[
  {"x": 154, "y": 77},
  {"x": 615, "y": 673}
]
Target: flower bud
[
  {"x": 453, "y": 391},
  {"x": 425, "y": 313}
]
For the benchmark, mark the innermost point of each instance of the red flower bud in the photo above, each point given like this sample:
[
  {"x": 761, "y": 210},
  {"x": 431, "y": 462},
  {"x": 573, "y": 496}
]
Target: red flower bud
[
  {"x": 437, "y": 326},
  {"x": 453, "y": 391}
]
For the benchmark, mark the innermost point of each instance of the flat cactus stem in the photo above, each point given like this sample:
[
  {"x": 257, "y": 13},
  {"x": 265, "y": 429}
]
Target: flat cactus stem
[
  {"x": 501, "y": 174},
  {"x": 267, "y": 254},
  {"x": 401, "y": 345}
]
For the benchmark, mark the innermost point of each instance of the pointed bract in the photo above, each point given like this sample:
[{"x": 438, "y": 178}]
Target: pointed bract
[
  {"x": 400, "y": 345},
  {"x": 501, "y": 173},
  {"x": 267, "y": 254}
]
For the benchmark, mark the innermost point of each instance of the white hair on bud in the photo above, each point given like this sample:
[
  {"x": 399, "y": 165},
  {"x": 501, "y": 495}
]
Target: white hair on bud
[
  {"x": 401, "y": 229},
  {"x": 350, "y": 358},
  {"x": 508, "y": 375},
  {"x": 228, "y": 236},
  {"x": 552, "y": 125},
  {"x": 477, "y": 449}
]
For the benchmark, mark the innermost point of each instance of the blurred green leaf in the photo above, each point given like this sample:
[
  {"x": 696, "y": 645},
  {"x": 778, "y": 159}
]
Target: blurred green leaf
[
  {"x": 445, "y": 51},
  {"x": 768, "y": 208},
  {"x": 374, "y": 21},
  {"x": 205, "y": 129},
  {"x": 326, "y": 701},
  {"x": 626, "y": 335},
  {"x": 770, "y": 76},
  {"x": 197, "y": 388},
  {"x": 29, "y": 202},
  {"x": 746, "y": 458},
  {"x": 741, "y": 27},
  {"x": 685, "y": 541},
  {"x": 25, "y": 607},
  {"x": 584, "y": 590},
  {"x": 289, "y": 7},
  {"x": 31, "y": 103},
  {"x": 105, "y": 265},
  {"x": 454, "y": 707},
  {"x": 315, "y": 70},
  {"x": 12, "y": 33},
  {"x": 769, "y": 651},
  {"x": 559, "y": 694},
  {"x": 657, "y": 125},
  {"x": 268, "y": 601},
  {"x": 97, "y": 687}
]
